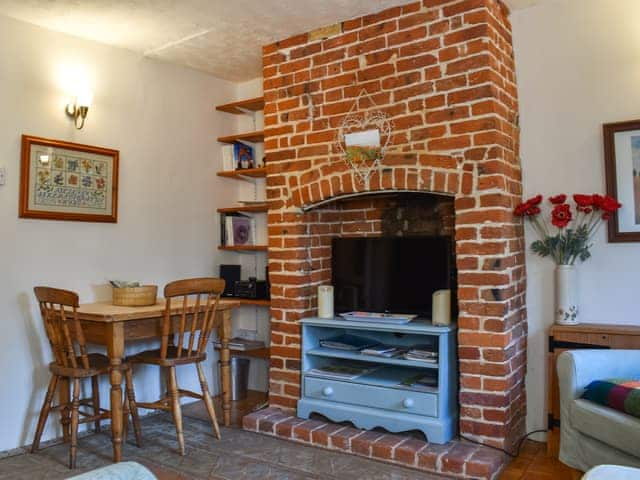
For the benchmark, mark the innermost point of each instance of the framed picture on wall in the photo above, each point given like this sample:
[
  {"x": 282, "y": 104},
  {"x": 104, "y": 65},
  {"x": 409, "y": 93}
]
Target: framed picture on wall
[
  {"x": 622, "y": 169},
  {"x": 68, "y": 181}
]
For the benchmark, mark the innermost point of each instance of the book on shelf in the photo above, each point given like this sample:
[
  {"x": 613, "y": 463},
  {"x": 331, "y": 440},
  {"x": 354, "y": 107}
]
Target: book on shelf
[
  {"x": 243, "y": 155},
  {"x": 351, "y": 343},
  {"x": 344, "y": 371},
  {"x": 237, "y": 156},
  {"x": 237, "y": 229},
  {"x": 238, "y": 343},
  {"x": 381, "y": 350},
  {"x": 228, "y": 162}
]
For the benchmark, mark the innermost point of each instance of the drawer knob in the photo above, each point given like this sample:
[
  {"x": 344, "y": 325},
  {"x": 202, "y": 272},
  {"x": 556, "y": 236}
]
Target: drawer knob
[
  {"x": 327, "y": 391},
  {"x": 408, "y": 403}
]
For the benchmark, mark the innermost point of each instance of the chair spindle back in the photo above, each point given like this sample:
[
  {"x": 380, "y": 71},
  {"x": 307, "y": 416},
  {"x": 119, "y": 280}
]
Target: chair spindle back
[
  {"x": 59, "y": 314},
  {"x": 202, "y": 313}
]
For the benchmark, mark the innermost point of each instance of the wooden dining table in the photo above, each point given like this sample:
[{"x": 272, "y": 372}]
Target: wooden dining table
[{"x": 113, "y": 326}]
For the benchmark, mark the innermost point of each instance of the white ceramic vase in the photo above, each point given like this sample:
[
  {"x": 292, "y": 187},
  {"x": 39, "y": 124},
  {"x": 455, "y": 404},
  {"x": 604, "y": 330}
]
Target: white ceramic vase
[{"x": 566, "y": 295}]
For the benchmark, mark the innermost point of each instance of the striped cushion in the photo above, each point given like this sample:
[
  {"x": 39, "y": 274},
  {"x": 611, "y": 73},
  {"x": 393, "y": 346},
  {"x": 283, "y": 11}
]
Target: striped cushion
[{"x": 617, "y": 393}]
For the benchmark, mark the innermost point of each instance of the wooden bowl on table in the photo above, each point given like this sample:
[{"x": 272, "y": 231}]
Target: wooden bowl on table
[{"x": 142, "y": 296}]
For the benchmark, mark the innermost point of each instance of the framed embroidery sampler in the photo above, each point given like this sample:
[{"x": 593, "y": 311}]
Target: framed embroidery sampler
[{"x": 68, "y": 181}]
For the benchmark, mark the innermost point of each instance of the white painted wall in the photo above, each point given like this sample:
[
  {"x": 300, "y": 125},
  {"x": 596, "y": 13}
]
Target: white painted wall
[
  {"x": 161, "y": 118},
  {"x": 578, "y": 66}
]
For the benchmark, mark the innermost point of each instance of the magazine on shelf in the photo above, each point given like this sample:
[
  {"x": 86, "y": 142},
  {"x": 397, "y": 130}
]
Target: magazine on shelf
[
  {"x": 345, "y": 371},
  {"x": 386, "y": 351},
  {"x": 351, "y": 343},
  {"x": 421, "y": 381},
  {"x": 418, "y": 358},
  {"x": 238, "y": 343},
  {"x": 422, "y": 353}
]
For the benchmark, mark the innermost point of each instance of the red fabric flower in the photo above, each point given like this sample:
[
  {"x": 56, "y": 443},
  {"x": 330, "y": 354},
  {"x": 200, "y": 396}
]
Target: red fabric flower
[
  {"x": 597, "y": 201},
  {"x": 535, "y": 200},
  {"x": 583, "y": 200},
  {"x": 558, "y": 199},
  {"x": 533, "y": 211},
  {"x": 521, "y": 209},
  {"x": 609, "y": 204},
  {"x": 561, "y": 215},
  {"x": 528, "y": 208}
]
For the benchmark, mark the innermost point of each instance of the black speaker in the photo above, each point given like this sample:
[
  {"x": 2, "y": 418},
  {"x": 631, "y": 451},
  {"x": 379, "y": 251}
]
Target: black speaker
[{"x": 230, "y": 274}]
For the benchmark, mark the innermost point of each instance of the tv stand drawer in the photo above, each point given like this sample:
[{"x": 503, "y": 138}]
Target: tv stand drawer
[{"x": 399, "y": 400}]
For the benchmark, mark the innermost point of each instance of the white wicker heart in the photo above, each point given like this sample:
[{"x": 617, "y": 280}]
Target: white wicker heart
[{"x": 364, "y": 161}]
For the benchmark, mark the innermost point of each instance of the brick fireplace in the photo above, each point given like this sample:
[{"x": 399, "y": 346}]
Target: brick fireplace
[{"x": 443, "y": 70}]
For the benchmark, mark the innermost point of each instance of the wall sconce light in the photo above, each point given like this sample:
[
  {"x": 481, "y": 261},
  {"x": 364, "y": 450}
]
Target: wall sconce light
[{"x": 79, "y": 108}]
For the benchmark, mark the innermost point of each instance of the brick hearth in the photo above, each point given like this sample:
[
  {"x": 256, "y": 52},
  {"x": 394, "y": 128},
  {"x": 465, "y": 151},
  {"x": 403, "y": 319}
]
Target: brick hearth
[
  {"x": 443, "y": 70},
  {"x": 456, "y": 459}
]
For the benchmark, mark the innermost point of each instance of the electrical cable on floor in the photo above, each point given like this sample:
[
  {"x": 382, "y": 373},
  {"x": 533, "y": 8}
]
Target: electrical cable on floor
[{"x": 518, "y": 445}]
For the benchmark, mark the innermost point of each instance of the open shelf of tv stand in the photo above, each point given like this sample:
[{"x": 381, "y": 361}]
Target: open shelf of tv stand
[{"x": 335, "y": 353}]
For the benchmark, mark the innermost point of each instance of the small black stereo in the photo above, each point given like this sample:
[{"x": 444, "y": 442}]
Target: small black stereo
[
  {"x": 252, "y": 288},
  {"x": 230, "y": 274}
]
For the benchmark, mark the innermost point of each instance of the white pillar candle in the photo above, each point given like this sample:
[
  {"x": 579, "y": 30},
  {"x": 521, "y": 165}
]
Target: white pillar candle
[
  {"x": 325, "y": 301},
  {"x": 441, "y": 307}
]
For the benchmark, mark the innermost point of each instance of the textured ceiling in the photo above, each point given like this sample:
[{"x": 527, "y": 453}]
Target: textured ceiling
[
  {"x": 222, "y": 37},
  {"x": 518, "y": 4}
]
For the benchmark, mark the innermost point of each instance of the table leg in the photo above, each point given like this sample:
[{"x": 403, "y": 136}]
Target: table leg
[
  {"x": 64, "y": 398},
  {"x": 115, "y": 351},
  {"x": 224, "y": 333}
]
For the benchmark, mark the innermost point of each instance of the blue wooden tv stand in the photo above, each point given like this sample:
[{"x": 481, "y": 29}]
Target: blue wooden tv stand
[{"x": 379, "y": 398}]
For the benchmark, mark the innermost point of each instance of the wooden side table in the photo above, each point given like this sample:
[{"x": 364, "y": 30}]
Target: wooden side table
[{"x": 574, "y": 337}]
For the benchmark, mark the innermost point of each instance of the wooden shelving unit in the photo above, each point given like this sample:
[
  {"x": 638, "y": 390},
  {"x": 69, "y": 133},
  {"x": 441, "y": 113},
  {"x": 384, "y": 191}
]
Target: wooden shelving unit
[
  {"x": 244, "y": 248},
  {"x": 245, "y": 208},
  {"x": 244, "y": 172},
  {"x": 252, "y": 137},
  {"x": 253, "y": 301},
  {"x": 243, "y": 106},
  {"x": 255, "y": 353},
  {"x": 251, "y": 175}
]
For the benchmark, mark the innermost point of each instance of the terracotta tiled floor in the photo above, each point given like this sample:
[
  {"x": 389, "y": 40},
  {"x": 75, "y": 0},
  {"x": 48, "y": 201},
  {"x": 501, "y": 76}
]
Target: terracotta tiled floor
[{"x": 533, "y": 464}]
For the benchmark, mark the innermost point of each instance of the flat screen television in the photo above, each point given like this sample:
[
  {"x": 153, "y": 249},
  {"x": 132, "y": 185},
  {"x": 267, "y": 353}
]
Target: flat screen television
[{"x": 394, "y": 275}]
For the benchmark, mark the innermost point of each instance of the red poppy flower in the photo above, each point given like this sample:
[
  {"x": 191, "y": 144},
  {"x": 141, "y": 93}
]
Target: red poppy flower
[
  {"x": 597, "y": 201},
  {"x": 609, "y": 204},
  {"x": 561, "y": 215},
  {"x": 521, "y": 209},
  {"x": 528, "y": 208},
  {"x": 558, "y": 199},
  {"x": 535, "y": 200},
  {"x": 533, "y": 211},
  {"x": 583, "y": 200}
]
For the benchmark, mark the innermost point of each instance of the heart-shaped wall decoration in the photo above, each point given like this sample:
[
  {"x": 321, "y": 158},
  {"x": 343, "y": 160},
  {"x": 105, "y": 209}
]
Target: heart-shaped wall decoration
[{"x": 363, "y": 140}]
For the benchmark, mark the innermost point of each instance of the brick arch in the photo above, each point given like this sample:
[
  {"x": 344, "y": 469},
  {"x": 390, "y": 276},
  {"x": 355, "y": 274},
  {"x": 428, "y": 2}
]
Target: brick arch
[{"x": 314, "y": 189}]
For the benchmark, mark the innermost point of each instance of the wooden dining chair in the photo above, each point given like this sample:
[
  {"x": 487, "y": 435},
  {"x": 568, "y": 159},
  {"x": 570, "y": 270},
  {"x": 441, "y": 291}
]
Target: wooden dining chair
[
  {"x": 186, "y": 328},
  {"x": 71, "y": 361}
]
